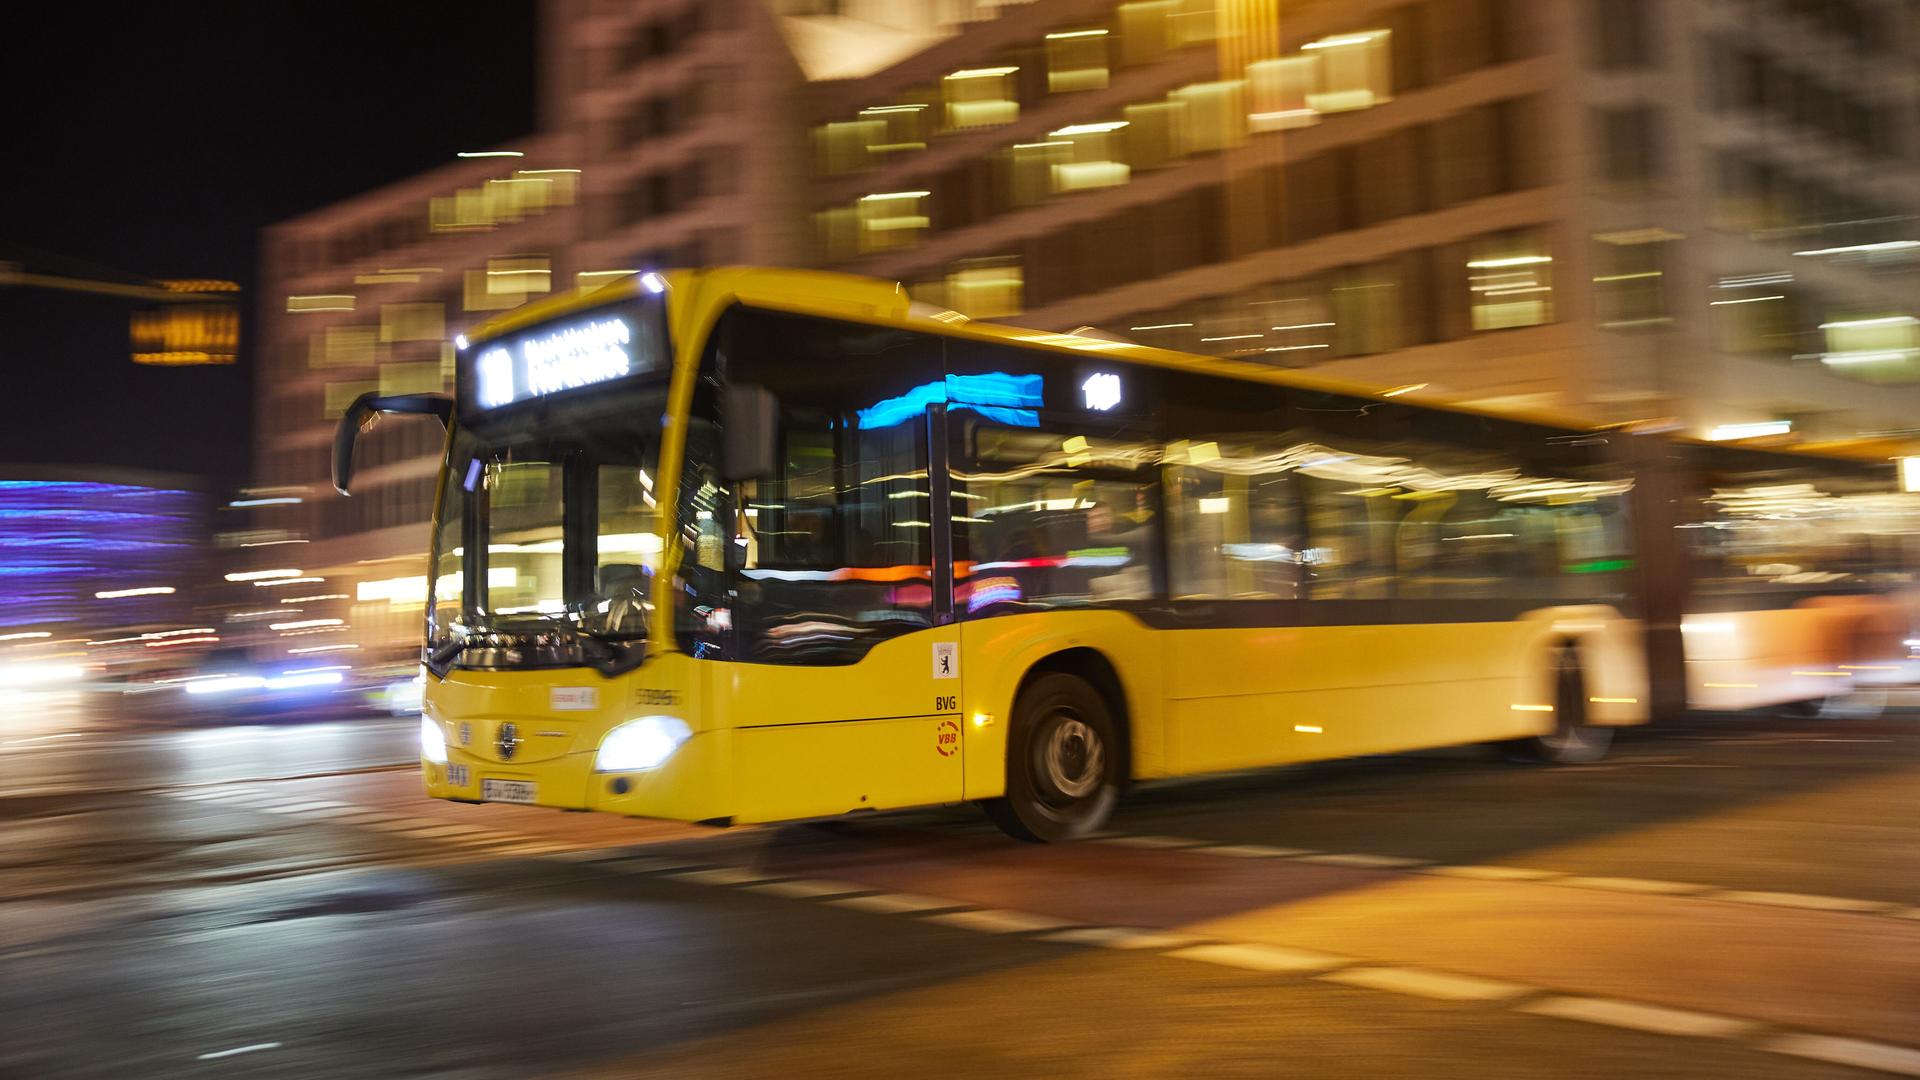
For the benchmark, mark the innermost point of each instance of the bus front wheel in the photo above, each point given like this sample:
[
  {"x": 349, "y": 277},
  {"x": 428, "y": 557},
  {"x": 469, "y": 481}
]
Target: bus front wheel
[
  {"x": 1572, "y": 741},
  {"x": 1063, "y": 762}
]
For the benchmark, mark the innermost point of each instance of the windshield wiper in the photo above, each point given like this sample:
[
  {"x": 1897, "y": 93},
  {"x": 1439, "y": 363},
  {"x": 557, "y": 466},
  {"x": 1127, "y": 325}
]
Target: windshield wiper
[{"x": 597, "y": 646}]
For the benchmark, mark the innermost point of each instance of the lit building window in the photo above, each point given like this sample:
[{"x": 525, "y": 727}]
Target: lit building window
[
  {"x": 980, "y": 97},
  {"x": 1026, "y": 169},
  {"x": 1630, "y": 284},
  {"x": 876, "y": 133},
  {"x": 1356, "y": 71},
  {"x": 891, "y": 220},
  {"x": 1093, "y": 156},
  {"x": 1279, "y": 89},
  {"x": 1212, "y": 117},
  {"x": 411, "y": 377},
  {"x": 985, "y": 288},
  {"x": 412, "y": 322},
  {"x": 507, "y": 282},
  {"x": 1510, "y": 282},
  {"x": 1367, "y": 309},
  {"x": 837, "y": 232},
  {"x": 1076, "y": 60},
  {"x": 1875, "y": 347},
  {"x": 343, "y": 346}
]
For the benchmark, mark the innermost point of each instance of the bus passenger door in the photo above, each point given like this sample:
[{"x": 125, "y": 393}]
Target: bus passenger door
[{"x": 840, "y": 677}]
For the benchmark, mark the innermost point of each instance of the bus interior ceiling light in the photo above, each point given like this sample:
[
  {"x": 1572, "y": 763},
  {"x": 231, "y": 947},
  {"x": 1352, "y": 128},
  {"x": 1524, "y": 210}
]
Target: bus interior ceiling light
[
  {"x": 641, "y": 744},
  {"x": 653, "y": 282}
]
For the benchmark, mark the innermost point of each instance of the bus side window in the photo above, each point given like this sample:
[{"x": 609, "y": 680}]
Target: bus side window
[
  {"x": 1054, "y": 518},
  {"x": 838, "y": 547}
]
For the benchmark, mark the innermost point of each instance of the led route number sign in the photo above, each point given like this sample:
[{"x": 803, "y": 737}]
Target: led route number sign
[{"x": 551, "y": 360}]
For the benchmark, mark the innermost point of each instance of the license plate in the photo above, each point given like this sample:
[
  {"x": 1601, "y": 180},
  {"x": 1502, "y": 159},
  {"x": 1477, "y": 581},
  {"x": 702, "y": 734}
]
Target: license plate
[{"x": 520, "y": 791}]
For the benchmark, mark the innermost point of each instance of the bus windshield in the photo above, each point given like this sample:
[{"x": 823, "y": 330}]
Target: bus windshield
[{"x": 547, "y": 538}]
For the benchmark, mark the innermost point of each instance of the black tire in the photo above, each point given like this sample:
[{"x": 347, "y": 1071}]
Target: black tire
[
  {"x": 1064, "y": 762},
  {"x": 1572, "y": 741}
]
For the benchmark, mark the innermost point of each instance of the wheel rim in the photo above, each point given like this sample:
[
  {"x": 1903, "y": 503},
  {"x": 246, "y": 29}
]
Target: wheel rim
[{"x": 1072, "y": 758}]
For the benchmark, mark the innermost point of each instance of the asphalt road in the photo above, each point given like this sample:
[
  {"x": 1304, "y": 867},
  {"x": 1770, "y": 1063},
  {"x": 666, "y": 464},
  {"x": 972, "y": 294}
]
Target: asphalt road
[{"x": 1737, "y": 898}]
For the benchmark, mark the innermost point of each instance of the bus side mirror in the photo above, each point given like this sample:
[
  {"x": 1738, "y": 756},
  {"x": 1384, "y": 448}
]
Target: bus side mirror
[
  {"x": 750, "y": 418},
  {"x": 365, "y": 412}
]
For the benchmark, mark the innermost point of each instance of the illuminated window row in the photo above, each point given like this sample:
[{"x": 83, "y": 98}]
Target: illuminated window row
[
  {"x": 1337, "y": 73},
  {"x": 1418, "y": 169},
  {"x": 1495, "y": 282}
]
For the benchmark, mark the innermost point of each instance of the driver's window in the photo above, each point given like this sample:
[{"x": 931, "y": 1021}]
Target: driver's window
[
  {"x": 524, "y": 537},
  {"x": 628, "y": 549}
]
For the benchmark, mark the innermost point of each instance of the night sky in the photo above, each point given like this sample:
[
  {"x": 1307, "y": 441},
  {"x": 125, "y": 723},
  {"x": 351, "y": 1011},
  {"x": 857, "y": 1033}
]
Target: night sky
[{"x": 157, "y": 139}]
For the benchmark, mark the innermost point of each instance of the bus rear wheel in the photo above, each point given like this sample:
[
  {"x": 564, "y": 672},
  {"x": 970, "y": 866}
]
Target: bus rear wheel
[
  {"x": 1572, "y": 741},
  {"x": 1063, "y": 762}
]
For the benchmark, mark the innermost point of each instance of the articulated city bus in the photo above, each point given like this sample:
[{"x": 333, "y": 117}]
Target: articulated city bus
[{"x": 756, "y": 545}]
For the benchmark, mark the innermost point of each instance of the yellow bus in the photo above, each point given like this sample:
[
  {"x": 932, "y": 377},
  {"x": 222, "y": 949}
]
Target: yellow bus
[{"x": 746, "y": 545}]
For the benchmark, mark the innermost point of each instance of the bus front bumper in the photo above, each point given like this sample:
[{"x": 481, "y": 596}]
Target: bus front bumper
[{"x": 687, "y": 786}]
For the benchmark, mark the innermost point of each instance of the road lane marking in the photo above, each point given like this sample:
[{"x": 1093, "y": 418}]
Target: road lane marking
[
  {"x": 1857, "y": 1053},
  {"x": 807, "y": 889},
  {"x": 1632, "y": 885},
  {"x": 999, "y": 921},
  {"x": 1150, "y": 841},
  {"x": 721, "y": 875},
  {"x": 1122, "y": 937},
  {"x": 1370, "y": 862},
  {"x": 1492, "y": 873},
  {"x": 1654, "y": 1018},
  {"x": 1803, "y": 900},
  {"x": 248, "y": 1049},
  {"x": 896, "y": 903},
  {"x": 1252, "y": 851},
  {"x": 1262, "y": 957},
  {"x": 1438, "y": 985}
]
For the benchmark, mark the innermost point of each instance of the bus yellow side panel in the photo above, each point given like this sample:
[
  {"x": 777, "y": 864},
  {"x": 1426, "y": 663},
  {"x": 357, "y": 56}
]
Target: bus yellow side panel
[
  {"x": 810, "y": 741},
  {"x": 819, "y": 770},
  {"x": 1275, "y": 695}
]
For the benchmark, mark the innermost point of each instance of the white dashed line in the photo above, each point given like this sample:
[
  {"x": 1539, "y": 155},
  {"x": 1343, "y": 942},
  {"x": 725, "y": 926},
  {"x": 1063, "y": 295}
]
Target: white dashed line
[
  {"x": 1807, "y": 901},
  {"x": 1899, "y": 1060},
  {"x": 1652, "y": 1018},
  {"x": 1632, "y": 885},
  {"x": 1122, "y": 937},
  {"x": 218, "y": 1054},
  {"x": 995, "y": 921},
  {"x": 1429, "y": 984},
  {"x": 1252, "y": 851},
  {"x": 895, "y": 903},
  {"x": 804, "y": 889},
  {"x": 721, "y": 875},
  {"x": 1492, "y": 873},
  {"x": 1370, "y": 862},
  {"x": 1261, "y": 957}
]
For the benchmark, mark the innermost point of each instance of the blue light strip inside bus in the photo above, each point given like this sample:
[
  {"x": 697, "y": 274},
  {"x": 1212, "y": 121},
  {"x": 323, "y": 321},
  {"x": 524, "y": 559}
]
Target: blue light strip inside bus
[{"x": 1012, "y": 400}]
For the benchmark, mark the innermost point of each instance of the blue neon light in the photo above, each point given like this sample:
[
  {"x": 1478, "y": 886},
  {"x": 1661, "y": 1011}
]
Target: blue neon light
[
  {"x": 61, "y": 541},
  {"x": 1005, "y": 399}
]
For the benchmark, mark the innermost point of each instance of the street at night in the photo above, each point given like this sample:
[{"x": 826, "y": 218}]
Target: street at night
[
  {"x": 1735, "y": 897},
  {"x": 980, "y": 539}
]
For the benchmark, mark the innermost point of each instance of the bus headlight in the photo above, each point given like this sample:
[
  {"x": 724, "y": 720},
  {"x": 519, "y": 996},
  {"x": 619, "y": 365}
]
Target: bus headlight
[
  {"x": 433, "y": 742},
  {"x": 641, "y": 744}
]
